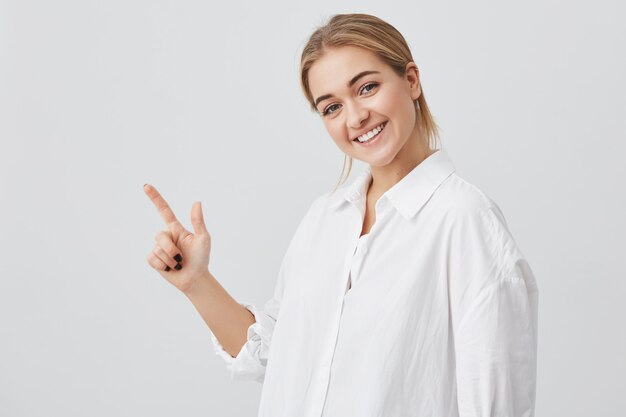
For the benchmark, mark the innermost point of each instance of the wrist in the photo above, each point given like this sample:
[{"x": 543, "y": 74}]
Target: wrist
[{"x": 200, "y": 285}]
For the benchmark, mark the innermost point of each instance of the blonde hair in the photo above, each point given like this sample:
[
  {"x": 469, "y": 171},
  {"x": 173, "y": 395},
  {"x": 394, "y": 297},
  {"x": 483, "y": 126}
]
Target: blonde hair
[{"x": 377, "y": 36}]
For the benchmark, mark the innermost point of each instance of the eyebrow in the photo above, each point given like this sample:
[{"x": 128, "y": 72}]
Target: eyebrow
[{"x": 350, "y": 84}]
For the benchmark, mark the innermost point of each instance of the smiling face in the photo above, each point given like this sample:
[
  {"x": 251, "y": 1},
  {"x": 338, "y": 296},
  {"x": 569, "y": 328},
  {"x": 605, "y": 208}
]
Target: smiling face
[{"x": 356, "y": 92}]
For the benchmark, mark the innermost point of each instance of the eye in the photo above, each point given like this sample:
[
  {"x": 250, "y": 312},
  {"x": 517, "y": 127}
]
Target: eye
[
  {"x": 327, "y": 110},
  {"x": 367, "y": 85}
]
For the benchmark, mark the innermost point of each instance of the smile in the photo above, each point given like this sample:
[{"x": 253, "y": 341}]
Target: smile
[{"x": 370, "y": 136}]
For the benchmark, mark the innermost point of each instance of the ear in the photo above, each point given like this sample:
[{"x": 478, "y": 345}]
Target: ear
[{"x": 413, "y": 79}]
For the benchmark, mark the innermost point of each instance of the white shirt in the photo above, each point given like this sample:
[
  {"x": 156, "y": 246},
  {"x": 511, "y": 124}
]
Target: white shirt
[
  {"x": 441, "y": 319},
  {"x": 357, "y": 259}
]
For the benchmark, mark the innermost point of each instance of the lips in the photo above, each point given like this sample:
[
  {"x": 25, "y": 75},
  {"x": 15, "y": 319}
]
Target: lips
[{"x": 384, "y": 124}]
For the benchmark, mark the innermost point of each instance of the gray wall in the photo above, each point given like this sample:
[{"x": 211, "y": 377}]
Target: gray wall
[{"x": 98, "y": 98}]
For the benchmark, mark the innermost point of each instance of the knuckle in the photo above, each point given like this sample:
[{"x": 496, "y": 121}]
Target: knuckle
[{"x": 164, "y": 255}]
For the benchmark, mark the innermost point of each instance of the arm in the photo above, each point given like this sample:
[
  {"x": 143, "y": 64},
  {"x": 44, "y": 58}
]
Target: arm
[
  {"x": 242, "y": 328},
  {"x": 228, "y": 320},
  {"x": 242, "y": 332},
  {"x": 496, "y": 322},
  {"x": 496, "y": 351}
]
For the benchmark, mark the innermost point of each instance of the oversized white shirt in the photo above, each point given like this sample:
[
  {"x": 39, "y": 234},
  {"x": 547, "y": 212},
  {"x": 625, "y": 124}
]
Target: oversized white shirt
[{"x": 440, "y": 319}]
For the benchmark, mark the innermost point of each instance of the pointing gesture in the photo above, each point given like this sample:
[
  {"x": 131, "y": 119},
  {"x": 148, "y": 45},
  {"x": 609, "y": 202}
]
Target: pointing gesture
[{"x": 181, "y": 257}]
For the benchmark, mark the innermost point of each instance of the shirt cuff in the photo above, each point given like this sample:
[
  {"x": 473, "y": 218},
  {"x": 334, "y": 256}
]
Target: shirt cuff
[{"x": 250, "y": 362}]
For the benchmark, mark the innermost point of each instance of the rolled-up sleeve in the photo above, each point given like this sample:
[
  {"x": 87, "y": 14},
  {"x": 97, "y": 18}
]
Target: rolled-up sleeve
[{"x": 250, "y": 362}]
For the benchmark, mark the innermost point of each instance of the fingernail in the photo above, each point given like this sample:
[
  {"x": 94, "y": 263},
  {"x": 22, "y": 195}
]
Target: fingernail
[
  {"x": 167, "y": 268},
  {"x": 178, "y": 258},
  {"x": 178, "y": 267}
]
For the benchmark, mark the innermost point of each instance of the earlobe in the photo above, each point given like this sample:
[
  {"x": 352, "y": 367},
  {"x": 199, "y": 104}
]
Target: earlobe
[{"x": 416, "y": 92}]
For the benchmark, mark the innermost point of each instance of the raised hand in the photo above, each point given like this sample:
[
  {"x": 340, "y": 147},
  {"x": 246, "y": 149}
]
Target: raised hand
[{"x": 176, "y": 245}]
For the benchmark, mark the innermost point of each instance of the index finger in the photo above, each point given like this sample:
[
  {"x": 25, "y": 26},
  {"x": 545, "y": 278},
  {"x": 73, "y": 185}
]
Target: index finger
[{"x": 159, "y": 202}]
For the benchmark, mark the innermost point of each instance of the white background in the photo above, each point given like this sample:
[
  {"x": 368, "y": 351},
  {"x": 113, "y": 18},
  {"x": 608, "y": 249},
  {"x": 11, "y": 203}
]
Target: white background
[{"x": 203, "y": 101}]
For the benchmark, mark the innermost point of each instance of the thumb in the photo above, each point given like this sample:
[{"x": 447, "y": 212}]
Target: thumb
[{"x": 197, "y": 219}]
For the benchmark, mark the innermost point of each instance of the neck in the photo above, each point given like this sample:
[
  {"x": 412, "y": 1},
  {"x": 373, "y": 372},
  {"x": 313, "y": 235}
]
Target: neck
[{"x": 412, "y": 154}]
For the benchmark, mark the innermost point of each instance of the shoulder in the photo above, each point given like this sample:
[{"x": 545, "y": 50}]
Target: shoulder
[
  {"x": 459, "y": 197},
  {"x": 466, "y": 208},
  {"x": 478, "y": 225}
]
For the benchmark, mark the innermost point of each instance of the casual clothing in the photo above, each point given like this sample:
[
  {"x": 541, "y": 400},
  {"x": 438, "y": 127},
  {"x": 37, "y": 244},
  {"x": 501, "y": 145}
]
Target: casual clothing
[{"x": 440, "y": 318}]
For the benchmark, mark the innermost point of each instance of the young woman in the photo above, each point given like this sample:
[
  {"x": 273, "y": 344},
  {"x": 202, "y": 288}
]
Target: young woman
[{"x": 400, "y": 294}]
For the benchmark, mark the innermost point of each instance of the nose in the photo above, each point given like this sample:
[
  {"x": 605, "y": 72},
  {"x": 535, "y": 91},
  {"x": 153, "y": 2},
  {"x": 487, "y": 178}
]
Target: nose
[{"x": 356, "y": 115}]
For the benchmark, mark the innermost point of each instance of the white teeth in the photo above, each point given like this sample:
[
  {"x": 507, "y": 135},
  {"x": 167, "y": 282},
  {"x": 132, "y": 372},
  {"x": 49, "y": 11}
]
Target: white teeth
[{"x": 370, "y": 134}]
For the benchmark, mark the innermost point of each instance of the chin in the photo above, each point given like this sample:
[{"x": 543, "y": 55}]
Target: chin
[{"x": 380, "y": 160}]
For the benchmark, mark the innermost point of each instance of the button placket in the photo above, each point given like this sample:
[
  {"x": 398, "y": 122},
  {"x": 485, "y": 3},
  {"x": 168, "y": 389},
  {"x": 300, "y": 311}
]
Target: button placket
[
  {"x": 327, "y": 363},
  {"x": 357, "y": 260}
]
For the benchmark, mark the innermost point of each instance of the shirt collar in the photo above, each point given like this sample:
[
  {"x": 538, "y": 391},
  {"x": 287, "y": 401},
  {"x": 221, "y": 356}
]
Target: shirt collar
[{"x": 410, "y": 193}]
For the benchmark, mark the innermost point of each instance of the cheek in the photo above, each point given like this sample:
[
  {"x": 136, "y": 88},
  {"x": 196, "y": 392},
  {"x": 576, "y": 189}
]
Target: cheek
[
  {"x": 336, "y": 131},
  {"x": 391, "y": 103},
  {"x": 410, "y": 114},
  {"x": 386, "y": 103},
  {"x": 403, "y": 107}
]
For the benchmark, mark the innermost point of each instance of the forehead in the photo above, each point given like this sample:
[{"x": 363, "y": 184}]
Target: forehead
[{"x": 338, "y": 65}]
